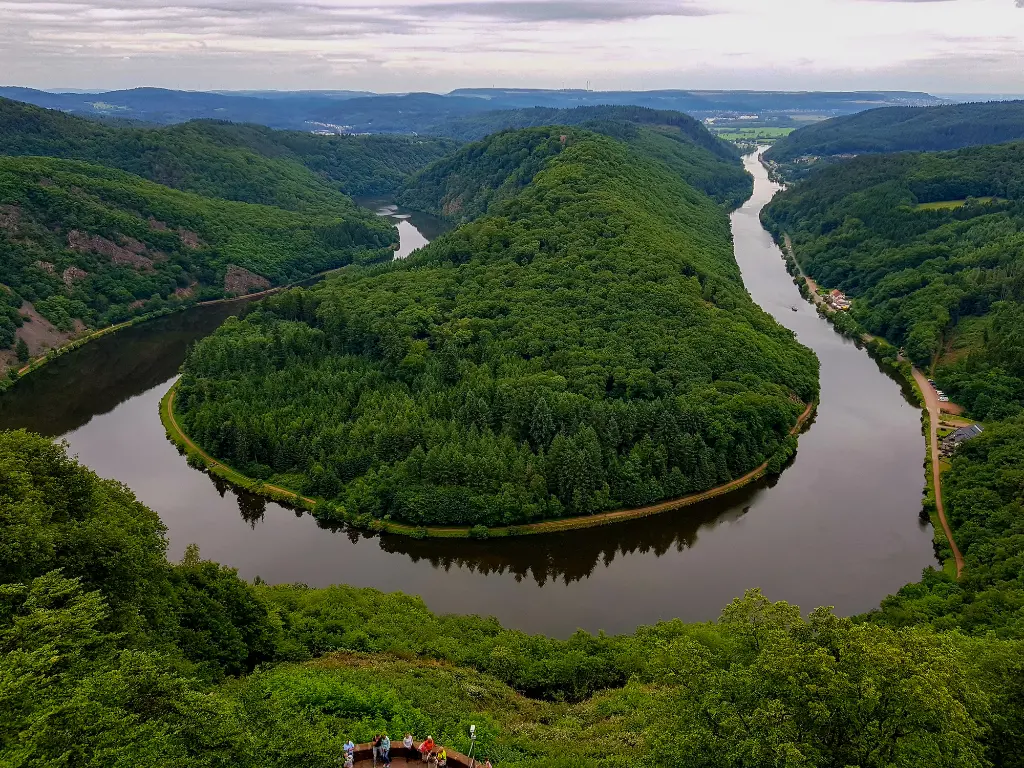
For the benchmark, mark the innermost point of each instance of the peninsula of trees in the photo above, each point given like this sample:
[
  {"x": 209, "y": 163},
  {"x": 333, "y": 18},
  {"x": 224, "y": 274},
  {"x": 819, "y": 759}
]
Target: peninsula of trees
[{"x": 584, "y": 343}]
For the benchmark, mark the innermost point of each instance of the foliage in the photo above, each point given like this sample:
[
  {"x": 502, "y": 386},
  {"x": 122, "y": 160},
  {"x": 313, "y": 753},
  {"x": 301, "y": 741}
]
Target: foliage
[
  {"x": 246, "y": 163},
  {"x": 90, "y": 679},
  {"x": 98, "y": 245},
  {"x": 585, "y": 345},
  {"x": 57, "y": 516},
  {"x": 21, "y": 351},
  {"x": 677, "y": 140},
  {"x": 945, "y": 283}
]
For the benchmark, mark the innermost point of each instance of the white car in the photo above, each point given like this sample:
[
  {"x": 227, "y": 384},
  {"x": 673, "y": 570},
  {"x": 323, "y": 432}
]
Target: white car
[{"x": 943, "y": 399}]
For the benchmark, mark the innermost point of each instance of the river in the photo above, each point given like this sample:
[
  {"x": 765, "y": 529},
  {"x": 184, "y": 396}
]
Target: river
[{"x": 839, "y": 527}]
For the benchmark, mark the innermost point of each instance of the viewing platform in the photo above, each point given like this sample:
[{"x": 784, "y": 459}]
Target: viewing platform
[{"x": 401, "y": 757}]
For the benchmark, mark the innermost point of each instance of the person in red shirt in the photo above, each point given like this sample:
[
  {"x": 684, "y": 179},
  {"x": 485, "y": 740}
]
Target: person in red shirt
[{"x": 426, "y": 747}]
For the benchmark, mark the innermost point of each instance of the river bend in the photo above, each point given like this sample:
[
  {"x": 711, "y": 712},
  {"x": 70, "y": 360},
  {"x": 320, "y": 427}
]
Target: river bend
[{"x": 839, "y": 527}]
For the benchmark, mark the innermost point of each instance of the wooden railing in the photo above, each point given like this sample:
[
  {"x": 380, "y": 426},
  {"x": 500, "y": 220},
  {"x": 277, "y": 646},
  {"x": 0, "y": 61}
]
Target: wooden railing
[{"x": 364, "y": 752}]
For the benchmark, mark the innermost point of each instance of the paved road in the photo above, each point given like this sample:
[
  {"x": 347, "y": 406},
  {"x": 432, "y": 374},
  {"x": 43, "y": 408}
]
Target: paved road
[{"x": 934, "y": 410}]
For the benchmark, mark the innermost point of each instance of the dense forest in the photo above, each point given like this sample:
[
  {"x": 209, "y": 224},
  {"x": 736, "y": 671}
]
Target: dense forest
[
  {"x": 247, "y": 163},
  {"x": 87, "y": 243},
  {"x": 586, "y": 344},
  {"x": 674, "y": 139},
  {"x": 899, "y": 129},
  {"x": 112, "y": 656},
  {"x": 932, "y": 248}
]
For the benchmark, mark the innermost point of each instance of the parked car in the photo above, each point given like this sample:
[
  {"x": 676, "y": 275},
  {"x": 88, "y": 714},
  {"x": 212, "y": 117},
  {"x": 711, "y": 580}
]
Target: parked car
[{"x": 943, "y": 399}]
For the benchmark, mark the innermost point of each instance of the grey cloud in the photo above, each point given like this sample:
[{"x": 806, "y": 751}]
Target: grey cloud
[
  {"x": 265, "y": 19},
  {"x": 91, "y": 21},
  {"x": 562, "y": 10}
]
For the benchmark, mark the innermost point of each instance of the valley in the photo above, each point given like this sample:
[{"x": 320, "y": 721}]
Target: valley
[
  {"x": 686, "y": 563},
  {"x": 520, "y": 435}
]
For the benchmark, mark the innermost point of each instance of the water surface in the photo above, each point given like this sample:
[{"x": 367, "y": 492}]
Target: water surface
[
  {"x": 415, "y": 228},
  {"x": 839, "y": 527}
]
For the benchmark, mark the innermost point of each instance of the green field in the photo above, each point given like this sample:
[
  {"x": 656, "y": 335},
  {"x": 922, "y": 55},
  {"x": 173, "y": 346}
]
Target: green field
[
  {"x": 949, "y": 205},
  {"x": 752, "y": 133}
]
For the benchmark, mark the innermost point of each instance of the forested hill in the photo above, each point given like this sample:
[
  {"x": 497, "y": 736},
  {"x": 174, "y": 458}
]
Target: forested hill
[
  {"x": 900, "y": 129},
  {"x": 460, "y": 186},
  {"x": 246, "y": 163},
  {"x": 97, "y": 245},
  {"x": 586, "y": 344},
  {"x": 932, "y": 248}
]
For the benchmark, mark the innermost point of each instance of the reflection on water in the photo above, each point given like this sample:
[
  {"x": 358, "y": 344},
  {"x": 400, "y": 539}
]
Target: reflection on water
[
  {"x": 67, "y": 392},
  {"x": 839, "y": 527},
  {"x": 415, "y": 228}
]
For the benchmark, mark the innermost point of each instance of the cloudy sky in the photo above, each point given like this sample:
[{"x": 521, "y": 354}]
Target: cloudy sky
[{"x": 437, "y": 45}]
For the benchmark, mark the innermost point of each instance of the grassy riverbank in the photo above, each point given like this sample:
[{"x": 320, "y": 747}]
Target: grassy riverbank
[{"x": 199, "y": 458}]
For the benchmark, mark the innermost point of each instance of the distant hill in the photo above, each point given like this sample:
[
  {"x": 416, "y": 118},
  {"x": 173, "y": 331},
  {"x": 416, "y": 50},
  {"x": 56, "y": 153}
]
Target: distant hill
[
  {"x": 419, "y": 112},
  {"x": 248, "y": 163},
  {"x": 678, "y": 141},
  {"x": 900, "y": 129}
]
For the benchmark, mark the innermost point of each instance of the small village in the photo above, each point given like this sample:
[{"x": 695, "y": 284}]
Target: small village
[{"x": 837, "y": 300}]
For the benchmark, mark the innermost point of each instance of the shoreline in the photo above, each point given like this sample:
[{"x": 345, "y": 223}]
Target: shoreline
[
  {"x": 52, "y": 354},
  {"x": 199, "y": 458},
  {"x": 905, "y": 374}
]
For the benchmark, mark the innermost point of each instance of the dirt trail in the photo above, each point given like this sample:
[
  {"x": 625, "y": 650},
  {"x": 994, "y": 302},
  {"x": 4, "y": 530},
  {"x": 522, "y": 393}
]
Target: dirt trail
[
  {"x": 807, "y": 279},
  {"x": 934, "y": 410}
]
